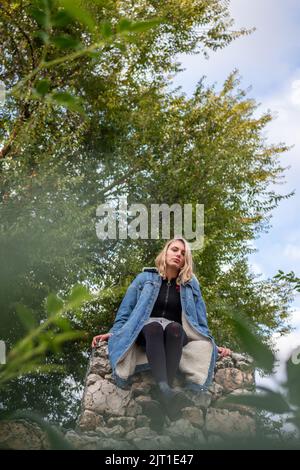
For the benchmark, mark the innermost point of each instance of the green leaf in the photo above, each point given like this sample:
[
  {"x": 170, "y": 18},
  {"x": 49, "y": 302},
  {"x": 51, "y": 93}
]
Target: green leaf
[
  {"x": 53, "y": 304},
  {"x": 120, "y": 46},
  {"x": 42, "y": 35},
  {"x": 68, "y": 336},
  {"x": 260, "y": 352},
  {"x": 79, "y": 294},
  {"x": 123, "y": 25},
  {"x": 40, "y": 17},
  {"x": 67, "y": 100},
  {"x": 142, "y": 26},
  {"x": 31, "y": 368},
  {"x": 106, "y": 29},
  {"x": 92, "y": 54},
  {"x": 42, "y": 87},
  {"x": 75, "y": 10},
  {"x": 271, "y": 401},
  {"x": 292, "y": 383},
  {"x": 61, "y": 18},
  {"x": 66, "y": 42},
  {"x": 63, "y": 323},
  {"x": 26, "y": 316}
]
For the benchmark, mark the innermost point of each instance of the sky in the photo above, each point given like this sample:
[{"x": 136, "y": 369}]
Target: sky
[{"x": 268, "y": 61}]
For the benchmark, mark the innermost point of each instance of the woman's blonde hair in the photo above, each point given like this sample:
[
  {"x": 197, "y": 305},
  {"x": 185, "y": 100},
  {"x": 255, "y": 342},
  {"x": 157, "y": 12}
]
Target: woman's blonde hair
[{"x": 186, "y": 272}]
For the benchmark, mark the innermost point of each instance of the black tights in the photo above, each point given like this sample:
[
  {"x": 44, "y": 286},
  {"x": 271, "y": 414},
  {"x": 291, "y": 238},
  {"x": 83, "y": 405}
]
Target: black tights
[{"x": 163, "y": 349}]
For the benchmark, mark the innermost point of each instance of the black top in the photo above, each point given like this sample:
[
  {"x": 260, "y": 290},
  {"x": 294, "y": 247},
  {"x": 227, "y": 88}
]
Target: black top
[{"x": 168, "y": 304}]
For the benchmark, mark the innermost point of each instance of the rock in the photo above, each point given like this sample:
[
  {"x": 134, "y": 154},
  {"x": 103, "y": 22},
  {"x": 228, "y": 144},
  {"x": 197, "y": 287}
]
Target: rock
[
  {"x": 153, "y": 410},
  {"x": 224, "y": 362},
  {"x": 145, "y": 377},
  {"x": 142, "y": 399},
  {"x": 233, "y": 378},
  {"x": 101, "y": 350},
  {"x": 143, "y": 421},
  {"x": 244, "y": 366},
  {"x": 104, "y": 396},
  {"x": 158, "y": 442},
  {"x": 216, "y": 391},
  {"x": 145, "y": 433},
  {"x": 229, "y": 423},
  {"x": 200, "y": 439},
  {"x": 238, "y": 358},
  {"x": 115, "y": 431},
  {"x": 80, "y": 441},
  {"x": 243, "y": 409},
  {"x": 96, "y": 442},
  {"x": 92, "y": 378},
  {"x": 200, "y": 399},
  {"x": 182, "y": 428},
  {"x": 215, "y": 439},
  {"x": 100, "y": 366},
  {"x": 89, "y": 421},
  {"x": 127, "y": 422},
  {"x": 133, "y": 409},
  {"x": 140, "y": 389},
  {"x": 115, "y": 444},
  {"x": 194, "y": 416},
  {"x": 22, "y": 434}
]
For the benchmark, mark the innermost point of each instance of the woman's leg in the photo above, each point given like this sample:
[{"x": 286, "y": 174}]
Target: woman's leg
[
  {"x": 155, "y": 350},
  {"x": 153, "y": 335},
  {"x": 175, "y": 339}
]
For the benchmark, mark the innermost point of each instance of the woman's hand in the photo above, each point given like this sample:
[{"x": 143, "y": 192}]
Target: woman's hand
[
  {"x": 224, "y": 351},
  {"x": 100, "y": 338}
]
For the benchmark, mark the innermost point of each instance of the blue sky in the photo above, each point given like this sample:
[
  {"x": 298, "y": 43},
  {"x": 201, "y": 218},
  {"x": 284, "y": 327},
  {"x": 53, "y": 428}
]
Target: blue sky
[{"x": 268, "y": 60}]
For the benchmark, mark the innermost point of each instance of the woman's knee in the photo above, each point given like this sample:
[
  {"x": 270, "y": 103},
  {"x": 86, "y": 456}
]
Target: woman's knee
[
  {"x": 175, "y": 330},
  {"x": 153, "y": 329}
]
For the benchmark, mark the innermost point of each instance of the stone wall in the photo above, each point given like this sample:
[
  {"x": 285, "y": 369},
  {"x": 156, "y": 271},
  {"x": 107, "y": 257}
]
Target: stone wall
[
  {"x": 113, "y": 418},
  {"x": 22, "y": 434}
]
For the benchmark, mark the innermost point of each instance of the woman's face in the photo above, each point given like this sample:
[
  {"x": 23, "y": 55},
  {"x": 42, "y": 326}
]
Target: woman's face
[{"x": 175, "y": 256}]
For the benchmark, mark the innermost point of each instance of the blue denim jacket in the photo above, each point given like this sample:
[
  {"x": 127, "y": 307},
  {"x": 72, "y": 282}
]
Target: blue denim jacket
[{"x": 136, "y": 308}]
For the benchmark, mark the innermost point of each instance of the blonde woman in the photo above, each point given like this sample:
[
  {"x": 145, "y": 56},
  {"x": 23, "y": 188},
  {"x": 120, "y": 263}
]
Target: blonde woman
[{"x": 161, "y": 325}]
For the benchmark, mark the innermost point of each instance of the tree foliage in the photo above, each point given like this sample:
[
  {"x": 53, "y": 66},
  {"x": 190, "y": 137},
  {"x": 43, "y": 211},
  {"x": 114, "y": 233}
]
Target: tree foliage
[{"x": 90, "y": 115}]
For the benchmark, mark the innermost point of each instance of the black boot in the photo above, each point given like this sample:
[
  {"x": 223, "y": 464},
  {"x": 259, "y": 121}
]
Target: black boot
[
  {"x": 165, "y": 389},
  {"x": 172, "y": 400}
]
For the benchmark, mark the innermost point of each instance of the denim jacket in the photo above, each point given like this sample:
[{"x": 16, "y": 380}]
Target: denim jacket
[{"x": 136, "y": 308}]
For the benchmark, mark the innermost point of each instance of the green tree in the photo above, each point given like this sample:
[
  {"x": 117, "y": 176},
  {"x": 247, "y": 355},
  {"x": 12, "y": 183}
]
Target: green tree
[{"x": 90, "y": 117}]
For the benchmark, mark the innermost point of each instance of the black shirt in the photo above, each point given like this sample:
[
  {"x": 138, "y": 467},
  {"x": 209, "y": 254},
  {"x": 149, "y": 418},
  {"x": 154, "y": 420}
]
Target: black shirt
[{"x": 168, "y": 304}]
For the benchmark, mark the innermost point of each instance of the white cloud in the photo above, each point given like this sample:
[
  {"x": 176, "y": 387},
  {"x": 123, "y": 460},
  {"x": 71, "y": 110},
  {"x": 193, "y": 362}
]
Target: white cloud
[
  {"x": 280, "y": 248},
  {"x": 285, "y": 105},
  {"x": 257, "y": 269},
  {"x": 292, "y": 251},
  {"x": 293, "y": 236},
  {"x": 264, "y": 58},
  {"x": 295, "y": 94}
]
